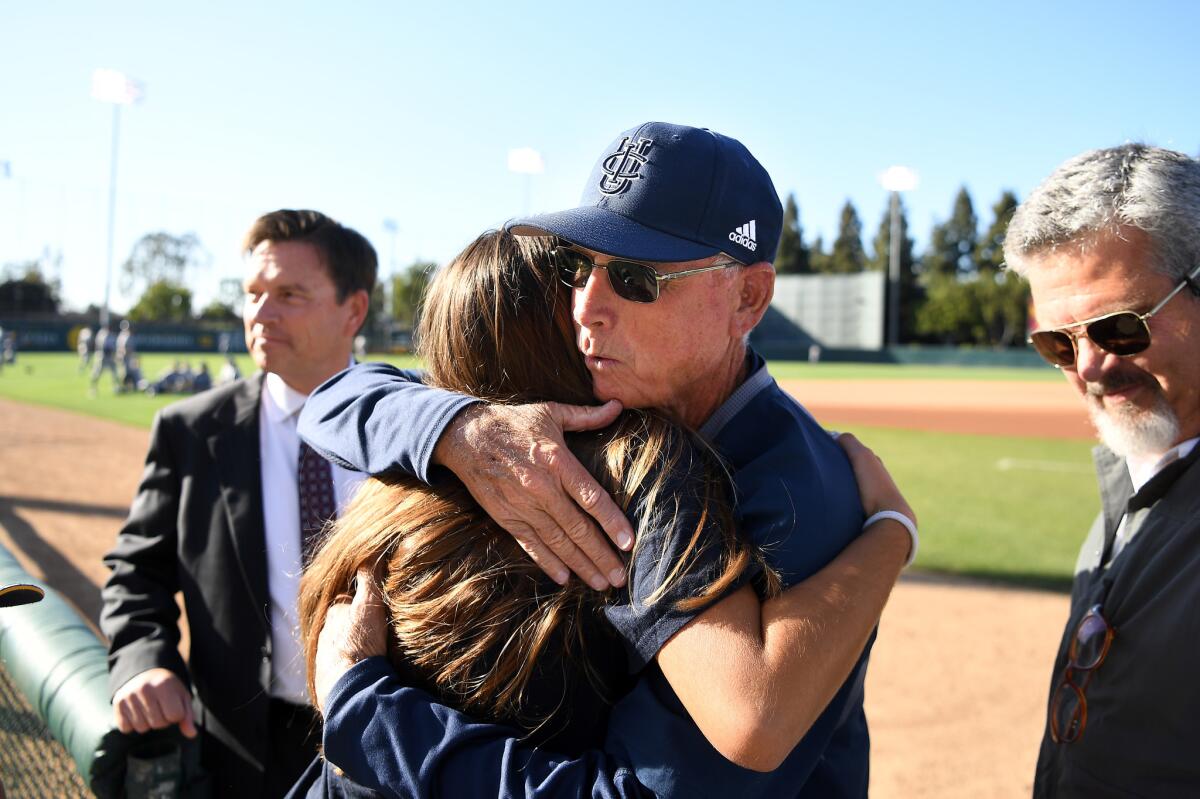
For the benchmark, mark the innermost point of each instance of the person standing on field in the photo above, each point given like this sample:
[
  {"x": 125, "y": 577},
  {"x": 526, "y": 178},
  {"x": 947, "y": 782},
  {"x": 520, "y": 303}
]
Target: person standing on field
[
  {"x": 229, "y": 503},
  {"x": 1110, "y": 243}
]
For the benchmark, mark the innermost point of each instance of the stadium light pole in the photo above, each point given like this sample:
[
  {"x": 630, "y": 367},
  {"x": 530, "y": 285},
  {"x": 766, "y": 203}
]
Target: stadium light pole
[
  {"x": 391, "y": 227},
  {"x": 528, "y": 162},
  {"x": 895, "y": 179},
  {"x": 110, "y": 86}
]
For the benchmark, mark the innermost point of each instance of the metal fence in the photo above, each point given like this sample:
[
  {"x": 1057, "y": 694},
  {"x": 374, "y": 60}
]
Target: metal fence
[{"x": 32, "y": 763}]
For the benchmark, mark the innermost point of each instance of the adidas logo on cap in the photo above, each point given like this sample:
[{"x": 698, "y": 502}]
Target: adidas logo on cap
[{"x": 744, "y": 235}]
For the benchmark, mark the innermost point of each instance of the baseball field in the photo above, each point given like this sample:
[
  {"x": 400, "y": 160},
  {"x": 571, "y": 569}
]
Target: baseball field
[{"x": 995, "y": 462}]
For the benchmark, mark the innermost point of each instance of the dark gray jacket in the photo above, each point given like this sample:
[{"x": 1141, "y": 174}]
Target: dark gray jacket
[
  {"x": 196, "y": 526},
  {"x": 1142, "y": 736}
]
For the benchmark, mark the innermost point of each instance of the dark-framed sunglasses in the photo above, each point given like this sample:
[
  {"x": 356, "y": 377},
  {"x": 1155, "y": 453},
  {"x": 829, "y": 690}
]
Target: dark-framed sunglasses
[
  {"x": 631, "y": 280},
  {"x": 1089, "y": 647},
  {"x": 1122, "y": 333}
]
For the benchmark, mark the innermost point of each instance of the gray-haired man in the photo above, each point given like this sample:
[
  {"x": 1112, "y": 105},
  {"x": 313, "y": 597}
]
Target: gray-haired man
[{"x": 1110, "y": 243}]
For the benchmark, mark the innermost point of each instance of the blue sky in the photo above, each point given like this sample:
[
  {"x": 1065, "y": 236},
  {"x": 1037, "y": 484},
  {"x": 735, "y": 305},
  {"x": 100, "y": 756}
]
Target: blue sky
[{"x": 407, "y": 111}]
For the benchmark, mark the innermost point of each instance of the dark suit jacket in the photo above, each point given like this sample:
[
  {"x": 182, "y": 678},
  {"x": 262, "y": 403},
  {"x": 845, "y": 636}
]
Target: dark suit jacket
[{"x": 196, "y": 526}]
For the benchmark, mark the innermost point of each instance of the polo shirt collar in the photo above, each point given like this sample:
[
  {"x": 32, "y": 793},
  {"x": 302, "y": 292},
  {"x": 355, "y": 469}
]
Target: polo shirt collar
[{"x": 759, "y": 379}]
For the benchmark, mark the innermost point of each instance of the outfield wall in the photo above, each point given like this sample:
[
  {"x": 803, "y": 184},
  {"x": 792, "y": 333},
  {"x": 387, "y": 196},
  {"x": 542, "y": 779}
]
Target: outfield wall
[
  {"x": 833, "y": 311},
  {"x": 62, "y": 335},
  {"x": 1019, "y": 357}
]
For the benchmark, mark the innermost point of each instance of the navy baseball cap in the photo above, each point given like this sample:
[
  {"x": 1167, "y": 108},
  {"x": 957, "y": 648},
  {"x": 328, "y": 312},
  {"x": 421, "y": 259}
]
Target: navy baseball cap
[{"x": 664, "y": 192}]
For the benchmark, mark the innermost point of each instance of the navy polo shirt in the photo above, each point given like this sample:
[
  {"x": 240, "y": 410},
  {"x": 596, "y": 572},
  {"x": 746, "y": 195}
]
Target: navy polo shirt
[{"x": 797, "y": 498}]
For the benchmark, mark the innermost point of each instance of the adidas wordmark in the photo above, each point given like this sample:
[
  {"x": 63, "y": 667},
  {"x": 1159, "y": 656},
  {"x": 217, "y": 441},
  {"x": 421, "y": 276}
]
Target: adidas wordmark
[{"x": 744, "y": 235}]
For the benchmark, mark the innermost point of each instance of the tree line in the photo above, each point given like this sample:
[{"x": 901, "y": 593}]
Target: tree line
[
  {"x": 158, "y": 271},
  {"x": 956, "y": 292}
]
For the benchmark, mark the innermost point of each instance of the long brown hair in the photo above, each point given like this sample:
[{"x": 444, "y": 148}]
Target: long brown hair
[{"x": 468, "y": 609}]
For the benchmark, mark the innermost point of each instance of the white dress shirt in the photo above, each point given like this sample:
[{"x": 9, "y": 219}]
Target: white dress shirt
[
  {"x": 279, "y": 446},
  {"x": 1141, "y": 470}
]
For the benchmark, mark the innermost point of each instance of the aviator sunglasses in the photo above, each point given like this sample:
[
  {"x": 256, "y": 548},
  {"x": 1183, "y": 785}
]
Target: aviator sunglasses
[
  {"x": 1122, "y": 333},
  {"x": 631, "y": 280}
]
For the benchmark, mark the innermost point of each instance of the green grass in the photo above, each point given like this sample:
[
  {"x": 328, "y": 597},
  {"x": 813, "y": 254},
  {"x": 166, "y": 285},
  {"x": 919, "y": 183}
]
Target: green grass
[
  {"x": 54, "y": 379},
  {"x": 1022, "y": 525}
]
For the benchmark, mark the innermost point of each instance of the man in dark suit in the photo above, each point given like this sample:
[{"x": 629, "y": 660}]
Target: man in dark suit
[{"x": 227, "y": 502}]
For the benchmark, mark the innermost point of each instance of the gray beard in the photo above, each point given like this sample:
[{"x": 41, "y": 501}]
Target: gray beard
[{"x": 1131, "y": 431}]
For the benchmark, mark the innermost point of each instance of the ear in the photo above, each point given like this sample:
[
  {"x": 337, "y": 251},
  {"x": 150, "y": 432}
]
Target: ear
[
  {"x": 357, "y": 303},
  {"x": 756, "y": 286}
]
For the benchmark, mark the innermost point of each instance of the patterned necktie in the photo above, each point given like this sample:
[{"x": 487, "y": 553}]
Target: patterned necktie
[{"x": 315, "y": 483}]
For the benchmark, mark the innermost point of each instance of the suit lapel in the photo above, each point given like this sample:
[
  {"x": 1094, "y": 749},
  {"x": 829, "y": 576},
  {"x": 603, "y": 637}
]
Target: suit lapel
[{"x": 234, "y": 446}]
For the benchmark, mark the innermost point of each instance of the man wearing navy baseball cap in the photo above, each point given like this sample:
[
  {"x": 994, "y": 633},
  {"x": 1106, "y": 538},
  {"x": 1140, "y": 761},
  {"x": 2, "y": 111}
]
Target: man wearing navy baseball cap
[
  {"x": 671, "y": 193},
  {"x": 669, "y": 255}
]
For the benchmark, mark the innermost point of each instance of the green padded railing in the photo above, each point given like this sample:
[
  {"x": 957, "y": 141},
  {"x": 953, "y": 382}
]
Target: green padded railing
[{"x": 60, "y": 665}]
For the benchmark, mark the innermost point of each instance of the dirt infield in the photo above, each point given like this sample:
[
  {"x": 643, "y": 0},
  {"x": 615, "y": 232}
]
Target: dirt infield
[
  {"x": 957, "y": 685},
  {"x": 1043, "y": 410}
]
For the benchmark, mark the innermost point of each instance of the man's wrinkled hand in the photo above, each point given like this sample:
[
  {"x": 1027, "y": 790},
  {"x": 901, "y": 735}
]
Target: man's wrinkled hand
[
  {"x": 154, "y": 700},
  {"x": 355, "y": 629},
  {"x": 515, "y": 462}
]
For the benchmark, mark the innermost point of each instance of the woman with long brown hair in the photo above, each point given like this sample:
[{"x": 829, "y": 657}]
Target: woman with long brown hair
[{"x": 471, "y": 617}]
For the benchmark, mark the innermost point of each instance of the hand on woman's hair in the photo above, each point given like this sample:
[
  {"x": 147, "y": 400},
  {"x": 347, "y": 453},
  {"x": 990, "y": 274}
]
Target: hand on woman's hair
[
  {"x": 355, "y": 629},
  {"x": 516, "y": 464}
]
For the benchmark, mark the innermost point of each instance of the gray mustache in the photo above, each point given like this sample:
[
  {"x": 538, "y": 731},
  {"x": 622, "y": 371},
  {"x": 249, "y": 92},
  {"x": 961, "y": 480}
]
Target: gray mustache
[{"x": 1114, "y": 382}]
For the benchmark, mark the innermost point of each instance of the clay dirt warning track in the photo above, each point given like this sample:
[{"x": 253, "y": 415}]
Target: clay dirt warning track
[
  {"x": 959, "y": 674},
  {"x": 1004, "y": 408}
]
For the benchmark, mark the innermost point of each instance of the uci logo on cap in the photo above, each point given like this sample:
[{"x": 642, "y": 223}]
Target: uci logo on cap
[{"x": 624, "y": 166}]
